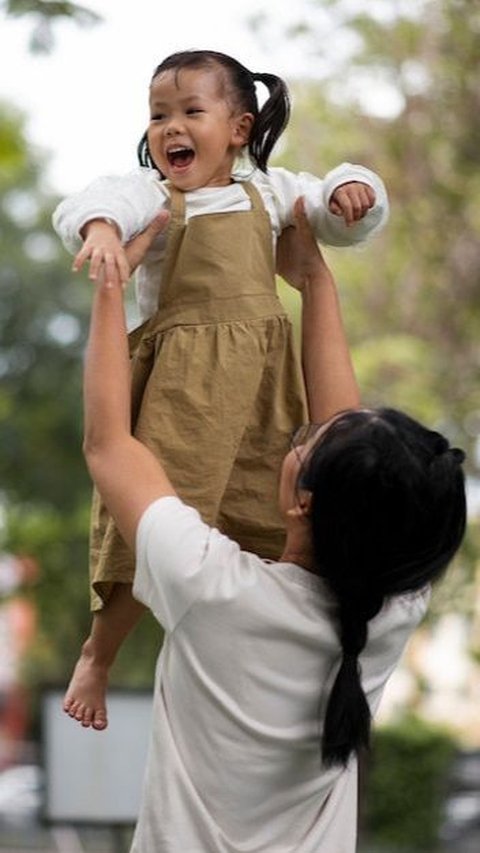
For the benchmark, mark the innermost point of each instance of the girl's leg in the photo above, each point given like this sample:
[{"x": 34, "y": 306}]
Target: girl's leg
[{"x": 85, "y": 697}]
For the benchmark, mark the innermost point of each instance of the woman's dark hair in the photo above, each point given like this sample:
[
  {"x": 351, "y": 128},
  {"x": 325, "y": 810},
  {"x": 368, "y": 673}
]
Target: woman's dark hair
[
  {"x": 269, "y": 121},
  {"x": 388, "y": 514}
]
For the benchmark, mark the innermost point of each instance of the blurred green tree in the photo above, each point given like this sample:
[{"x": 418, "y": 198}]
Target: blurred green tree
[
  {"x": 45, "y": 489},
  {"x": 44, "y": 486},
  {"x": 399, "y": 91},
  {"x": 412, "y": 299}
]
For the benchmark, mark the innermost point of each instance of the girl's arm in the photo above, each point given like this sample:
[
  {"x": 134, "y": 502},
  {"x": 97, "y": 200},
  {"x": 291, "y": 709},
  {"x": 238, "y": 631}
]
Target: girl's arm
[
  {"x": 326, "y": 202},
  {"x": 126, "y": 473},
  {"x": 327, "y": 366},
  {"x": 130, "y": 201},
  {"x": 107, "y": 214}
]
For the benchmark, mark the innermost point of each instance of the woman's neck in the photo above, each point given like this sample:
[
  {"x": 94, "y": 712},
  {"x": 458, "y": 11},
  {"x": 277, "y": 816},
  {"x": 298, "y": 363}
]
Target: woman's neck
[{"x": 298, "y": 549}]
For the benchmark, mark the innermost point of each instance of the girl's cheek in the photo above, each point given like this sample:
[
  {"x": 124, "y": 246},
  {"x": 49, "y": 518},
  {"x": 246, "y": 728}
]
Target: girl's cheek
[{"x": 154, "y": 134}]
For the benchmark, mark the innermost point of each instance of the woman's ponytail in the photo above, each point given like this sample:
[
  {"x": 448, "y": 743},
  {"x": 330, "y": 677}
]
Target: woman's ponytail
[
  {"x": 388, "y": 513},
  {"x": 347, "y": 718},
  {"x": 270, "y": 121}
]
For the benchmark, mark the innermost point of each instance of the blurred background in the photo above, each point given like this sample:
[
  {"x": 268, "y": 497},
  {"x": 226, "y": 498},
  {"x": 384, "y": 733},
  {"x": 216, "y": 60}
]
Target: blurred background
[{"x": 392, "y": 84}]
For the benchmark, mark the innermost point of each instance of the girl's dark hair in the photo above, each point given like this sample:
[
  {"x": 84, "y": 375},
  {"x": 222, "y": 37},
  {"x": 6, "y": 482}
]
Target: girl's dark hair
[
  {"x": 269, "y": 121},
  {"x": 388, "y": 514}
]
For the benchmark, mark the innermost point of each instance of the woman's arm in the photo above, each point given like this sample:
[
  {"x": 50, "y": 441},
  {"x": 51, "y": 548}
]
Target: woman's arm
[
  {"x": 126, "y": 473},
  {"x": 328, "y": 370}
]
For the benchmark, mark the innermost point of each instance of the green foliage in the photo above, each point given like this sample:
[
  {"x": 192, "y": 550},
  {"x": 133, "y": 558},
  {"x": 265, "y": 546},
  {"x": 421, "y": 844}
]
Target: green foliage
[
  {"x": 13, "y": 150},
  {"x": 58, "y": 541},
  {"x": 406, "y": 783},
  {"x": 411, "y": 298},
  {"x": 45, "y": 489},
  {"x": 42, "y": 332}
]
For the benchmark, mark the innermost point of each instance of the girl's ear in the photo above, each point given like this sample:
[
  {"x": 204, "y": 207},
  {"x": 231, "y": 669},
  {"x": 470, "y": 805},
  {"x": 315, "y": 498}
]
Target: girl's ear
[{"x": 242, "y": 128}]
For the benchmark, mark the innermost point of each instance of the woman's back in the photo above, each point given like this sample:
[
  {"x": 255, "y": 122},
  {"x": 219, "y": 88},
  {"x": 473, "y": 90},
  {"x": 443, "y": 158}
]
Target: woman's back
[{"x": 249, "y": 658}]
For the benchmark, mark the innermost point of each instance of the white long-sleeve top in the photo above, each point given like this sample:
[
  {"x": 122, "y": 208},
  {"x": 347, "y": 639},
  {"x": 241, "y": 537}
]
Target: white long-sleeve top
[{"x": 132, "y": 201}]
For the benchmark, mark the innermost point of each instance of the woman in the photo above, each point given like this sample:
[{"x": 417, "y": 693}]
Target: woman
[{"x": 270, "y": 671}]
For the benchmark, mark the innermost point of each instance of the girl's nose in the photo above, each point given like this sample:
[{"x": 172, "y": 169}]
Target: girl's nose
[{"x": 174, "y": 126}]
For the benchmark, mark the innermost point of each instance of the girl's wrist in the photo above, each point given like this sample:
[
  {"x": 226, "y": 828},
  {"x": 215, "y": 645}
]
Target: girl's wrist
[{"x": 99, "y": 223}]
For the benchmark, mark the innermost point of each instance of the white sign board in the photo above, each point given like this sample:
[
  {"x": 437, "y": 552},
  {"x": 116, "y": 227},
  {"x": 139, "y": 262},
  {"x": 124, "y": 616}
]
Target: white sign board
[{"x": 95, "y": 776}]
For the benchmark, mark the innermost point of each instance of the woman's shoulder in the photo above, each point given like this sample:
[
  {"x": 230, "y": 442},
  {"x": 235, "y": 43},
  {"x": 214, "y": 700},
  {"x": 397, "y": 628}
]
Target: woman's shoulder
[{"x": 401, "y": 612}]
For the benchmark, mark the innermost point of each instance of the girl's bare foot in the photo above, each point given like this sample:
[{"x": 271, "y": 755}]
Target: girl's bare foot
[{"x": 85, "y": 699}]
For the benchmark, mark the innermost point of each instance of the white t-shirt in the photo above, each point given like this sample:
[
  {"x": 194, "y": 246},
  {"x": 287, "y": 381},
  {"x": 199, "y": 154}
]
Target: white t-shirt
[
  {"x": 132, "y": 201},
  {"x": 249, "y": 657}
]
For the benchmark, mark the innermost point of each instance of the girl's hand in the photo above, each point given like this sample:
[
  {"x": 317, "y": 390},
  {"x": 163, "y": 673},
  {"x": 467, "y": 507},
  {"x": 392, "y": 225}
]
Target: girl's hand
[
  {"x": 107, "y": 255},
  {"x": 299, "y": 259},
  {"x": 137, "y": 247},
  {"x": 352, "y": 201}
]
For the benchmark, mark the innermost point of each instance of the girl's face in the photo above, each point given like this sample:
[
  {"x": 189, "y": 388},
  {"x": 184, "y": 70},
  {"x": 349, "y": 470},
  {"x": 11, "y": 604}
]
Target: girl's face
[{"x": 194, "y": 133}]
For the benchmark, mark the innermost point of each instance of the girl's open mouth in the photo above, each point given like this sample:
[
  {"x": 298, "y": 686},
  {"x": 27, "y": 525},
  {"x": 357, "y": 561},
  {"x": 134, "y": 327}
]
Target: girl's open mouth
[{"x": 180, "y": 158}]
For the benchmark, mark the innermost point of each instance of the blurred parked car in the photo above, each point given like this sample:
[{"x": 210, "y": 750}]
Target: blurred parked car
[{"x": 462, "y": 806}]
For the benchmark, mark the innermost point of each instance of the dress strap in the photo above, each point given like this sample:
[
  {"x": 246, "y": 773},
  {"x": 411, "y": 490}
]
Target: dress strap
[
  {"x": 177, "y": 205},
  {"x": 176, "y": 229},
  {"x": 254, "y": 195}
]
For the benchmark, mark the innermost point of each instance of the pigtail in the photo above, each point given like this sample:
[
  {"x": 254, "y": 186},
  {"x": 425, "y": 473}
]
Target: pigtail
[
  {"x": 271, "y": 120},
  {"x": 348, "y": 718},
  {"x": 143, "y": 152},
  {"x": 144, "y": 156}
]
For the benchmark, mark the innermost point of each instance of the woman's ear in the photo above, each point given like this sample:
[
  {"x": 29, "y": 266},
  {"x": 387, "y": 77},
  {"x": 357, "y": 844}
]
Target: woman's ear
[
  {"x": 242, "y": 128},
  {"x": 302, "y": 506}
]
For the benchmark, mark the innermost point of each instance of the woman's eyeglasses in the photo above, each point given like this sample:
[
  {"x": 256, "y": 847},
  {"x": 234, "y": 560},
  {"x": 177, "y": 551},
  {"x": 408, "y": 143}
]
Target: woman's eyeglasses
[
  {"x": 304, "y": 434},
  {"x": 308, "y": 432}
]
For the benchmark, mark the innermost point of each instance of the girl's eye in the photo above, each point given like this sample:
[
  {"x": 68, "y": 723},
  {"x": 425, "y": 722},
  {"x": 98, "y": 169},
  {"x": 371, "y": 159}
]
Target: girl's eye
[
  {"x": 193, "y": 111},
  {"x": 157, "y": 117}
]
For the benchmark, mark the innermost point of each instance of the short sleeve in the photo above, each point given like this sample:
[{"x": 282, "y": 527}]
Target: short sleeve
[
  {"x": 388, "y": 634},
  {"x": 172, "y": 546}
]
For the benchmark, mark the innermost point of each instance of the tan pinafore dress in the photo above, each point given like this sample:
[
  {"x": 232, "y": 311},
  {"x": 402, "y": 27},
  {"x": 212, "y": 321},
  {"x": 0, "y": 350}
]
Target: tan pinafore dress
[{"x": 216, "y": 384}]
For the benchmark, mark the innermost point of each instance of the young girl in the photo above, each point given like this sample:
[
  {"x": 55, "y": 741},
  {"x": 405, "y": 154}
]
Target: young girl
[{"x": 216, "y": 387}]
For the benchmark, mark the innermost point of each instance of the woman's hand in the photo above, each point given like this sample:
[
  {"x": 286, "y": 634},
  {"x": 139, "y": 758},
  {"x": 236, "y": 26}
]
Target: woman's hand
[
  {"x": 137, "y": 248},
  {"x": 299, "y": 259}
]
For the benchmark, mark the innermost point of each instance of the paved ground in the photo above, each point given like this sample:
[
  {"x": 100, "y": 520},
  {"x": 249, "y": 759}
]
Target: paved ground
[{"x": 36, "y": 839}]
